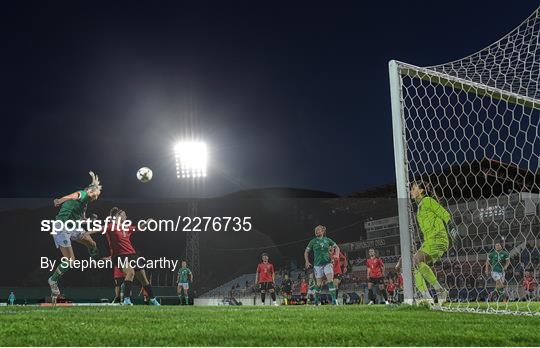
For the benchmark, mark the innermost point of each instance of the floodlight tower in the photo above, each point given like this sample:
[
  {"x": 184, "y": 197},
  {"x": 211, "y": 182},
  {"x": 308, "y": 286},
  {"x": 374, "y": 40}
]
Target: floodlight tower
[{"x": 191, "y": 158}]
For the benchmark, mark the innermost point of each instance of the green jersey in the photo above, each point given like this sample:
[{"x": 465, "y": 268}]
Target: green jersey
[
  {"x": 497, "y": 260},
  {"x": 74, "y": 209},
  {"x": 321, "y": 250},
  {"x": 312, "y": 284},
  {"x": 432, "y": 219},
  {"x": 183, "y": 275}
]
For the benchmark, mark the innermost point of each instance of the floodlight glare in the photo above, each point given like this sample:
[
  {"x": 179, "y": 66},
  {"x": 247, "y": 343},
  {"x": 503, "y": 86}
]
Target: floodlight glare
[{"x": 192, "y": 157}]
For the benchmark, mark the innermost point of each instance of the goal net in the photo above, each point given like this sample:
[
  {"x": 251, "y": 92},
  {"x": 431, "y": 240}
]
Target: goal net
[{"x": 469, "y": 131}]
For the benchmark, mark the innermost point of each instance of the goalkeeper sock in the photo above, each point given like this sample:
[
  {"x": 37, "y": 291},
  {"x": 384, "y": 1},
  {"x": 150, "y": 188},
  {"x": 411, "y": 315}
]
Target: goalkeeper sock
[
  {"x": 429, "y": 276},
  {"x": 59, "y": 271},
  {"x": 332, "y": 290}
]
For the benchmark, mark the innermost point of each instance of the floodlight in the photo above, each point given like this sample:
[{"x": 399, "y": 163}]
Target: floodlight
[{"x": 191, "y": 159}]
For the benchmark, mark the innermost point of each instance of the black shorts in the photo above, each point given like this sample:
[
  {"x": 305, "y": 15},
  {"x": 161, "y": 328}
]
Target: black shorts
[
  {"x": 376, "y": 281},
  {"x": 266, "y": 286},
  {"x": 130, "y": 257},
  {"x": 338, "y": 276},
  {"x": 118, "y": 281}
]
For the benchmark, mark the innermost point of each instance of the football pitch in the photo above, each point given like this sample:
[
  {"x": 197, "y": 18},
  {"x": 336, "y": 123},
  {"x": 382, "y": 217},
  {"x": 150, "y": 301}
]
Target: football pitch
[{"x": 261, "y": 326}]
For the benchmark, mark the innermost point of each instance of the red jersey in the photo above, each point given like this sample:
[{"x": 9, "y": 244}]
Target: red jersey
[
  {"x": 390, "y": 286},
  {"x": 265, "y": 272},
  {"x": 529, "y": 283},
  {"x": 338, "y": 262},
  {"x": 120, "y": 240},
  {"x": 304, "y": 287},
  {"x": 117, "y": 273},
  {"x": 374, "y": 267}
]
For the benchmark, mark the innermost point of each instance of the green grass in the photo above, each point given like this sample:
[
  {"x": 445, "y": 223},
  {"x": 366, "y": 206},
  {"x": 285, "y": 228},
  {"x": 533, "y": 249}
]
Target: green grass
[{"x": 261, "y": 326}]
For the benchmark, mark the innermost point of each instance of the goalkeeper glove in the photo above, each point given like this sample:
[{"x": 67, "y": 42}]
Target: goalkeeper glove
[{"x": 452, "y": 231}]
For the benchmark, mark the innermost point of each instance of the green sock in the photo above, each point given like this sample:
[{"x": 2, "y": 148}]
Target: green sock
[
  {"x": 187, "y": 299},
  {"x": 332, "y": 290},
  {"x": 429, "y": 276},
  {"x": 59, "y": 271},
  {"x": 317, "y": 292},
  {"x": 420, "y": 282}
]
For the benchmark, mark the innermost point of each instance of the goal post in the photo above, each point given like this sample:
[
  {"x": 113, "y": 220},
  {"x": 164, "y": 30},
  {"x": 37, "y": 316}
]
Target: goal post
[{"x": 470, "y": 131}]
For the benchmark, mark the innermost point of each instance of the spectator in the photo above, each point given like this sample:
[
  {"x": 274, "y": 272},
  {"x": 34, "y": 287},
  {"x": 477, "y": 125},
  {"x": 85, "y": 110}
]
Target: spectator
[{"x": 529, "y": 285}]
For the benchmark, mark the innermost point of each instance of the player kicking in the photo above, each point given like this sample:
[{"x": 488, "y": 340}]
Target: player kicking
[
  {"x": 119, "y": 240},
  {"x": 322, "y": 262},
  {"x": 265, "y": 277},
  {"x": 72, "y": 208},
  {"x": 498, "y": 260},
  {"x": 433, "y": 221},
  {"x": 340, "y": 266},
  {"x": 185, "y": 276},
  {"x": 375, "y": 276}
]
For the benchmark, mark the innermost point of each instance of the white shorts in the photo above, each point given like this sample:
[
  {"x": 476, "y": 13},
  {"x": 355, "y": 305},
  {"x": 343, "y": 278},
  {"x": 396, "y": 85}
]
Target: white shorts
[
  {"x": 497, "y": 276},
  {"x": 63, "y": 238},
  {"x": 184, "y": 285},
  {"x": 325, "y": 270}
]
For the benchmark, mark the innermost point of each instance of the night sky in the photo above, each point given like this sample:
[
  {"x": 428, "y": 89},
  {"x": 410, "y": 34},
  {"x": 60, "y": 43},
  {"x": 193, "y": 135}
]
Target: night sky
[{"x": 284, "y": 95}]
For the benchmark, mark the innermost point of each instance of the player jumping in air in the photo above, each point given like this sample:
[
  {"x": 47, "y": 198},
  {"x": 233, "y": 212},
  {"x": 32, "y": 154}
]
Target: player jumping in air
[
  {"x": 185, "y": 276},
  {"x": 340, "y": 266},
  {"x": 498, "y": 260},
  {"x": 121, "y": 249},
  {"x": 433, "y": 222},
  {"x": 265, "y": 277},
  {"x": 375, "y": 276},
  {"x": 322, "y": 262},
  {"x": 73, "y": 209}
]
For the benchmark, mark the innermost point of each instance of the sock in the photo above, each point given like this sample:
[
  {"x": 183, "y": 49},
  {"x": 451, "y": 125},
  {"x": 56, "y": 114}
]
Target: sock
[
  {"x": 419, "y": 280},
  {"x": 94, "y": 252},
  {"x": 332, "y": 290},
  {"x": 370, "y": 295},
  {"x": 149, "y": 291},
  {"x": 317, "y": 292},
  {"x": 127, "y": 288},
  {"x": 273, "y": 296},
  {"x": 429, "y": 276},
  {"x": 263, "y": 297},
  {"x": 59, "y": 271},
  {"x": 187, "y": 299}
]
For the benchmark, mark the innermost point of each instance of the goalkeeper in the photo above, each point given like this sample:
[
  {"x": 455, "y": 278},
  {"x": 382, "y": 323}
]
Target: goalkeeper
[{"x": 433, "y": 221}]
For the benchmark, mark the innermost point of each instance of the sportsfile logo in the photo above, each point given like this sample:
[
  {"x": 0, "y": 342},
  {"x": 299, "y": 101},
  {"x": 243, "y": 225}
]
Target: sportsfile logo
[{"x": 182, "y": 223}]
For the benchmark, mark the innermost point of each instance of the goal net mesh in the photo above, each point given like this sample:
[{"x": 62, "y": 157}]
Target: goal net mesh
[{"x": 471, "y": 133}]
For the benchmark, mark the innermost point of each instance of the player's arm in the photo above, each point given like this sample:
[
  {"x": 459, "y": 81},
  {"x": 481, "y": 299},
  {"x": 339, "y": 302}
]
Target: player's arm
[
  {"x": 71, "y": 197},
  {"x": 190, "y": 276},
  {"x": 257, "y": 275},
  {"x": 336, "y": 250},
  {"x": 506, "y": 264},
  {"x": 381, "y": 262},
  {"x": 273, "y": 275},
  {"x": 306, "y": 257},
  {"x": 487, "y": 266},
  {"x": 344, "y": 262},
  {"x": 437, "y": 209}
]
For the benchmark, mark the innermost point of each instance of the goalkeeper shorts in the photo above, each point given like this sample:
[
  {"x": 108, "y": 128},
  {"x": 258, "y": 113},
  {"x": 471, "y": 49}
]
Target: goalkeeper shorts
[{"x": 434, "y": 249}]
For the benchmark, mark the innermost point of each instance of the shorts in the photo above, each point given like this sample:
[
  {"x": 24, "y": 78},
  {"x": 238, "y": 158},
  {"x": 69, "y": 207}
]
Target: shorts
[
  {"x": 376, "y": 281},
  {"x": 118, "y": 273},
  {"x": 63, "y": 238},
  {"x": 118, "y": 281},
  {"x": 497, "y": 276},
  {"x": 184, "y": 285},
  {"x": 325, "y": 270},
  {"x": 434, "y": 250},
  {"x": 266, "y": 286}
]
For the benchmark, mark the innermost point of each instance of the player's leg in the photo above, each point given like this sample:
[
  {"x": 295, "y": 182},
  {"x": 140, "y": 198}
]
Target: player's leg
[
  {"x": 179, "y": 292},
  {"x": 263, "y": 292},
  {"x": 117, "y": 285},
  {"x": 329, "y": 273},
  {"x": 319, "y": 274},
  {"x": 337, "y": 281},
  {"x": 63, "y": 243},
  {"x": 88, "y": 242},
  {"x": 429, "y": 253},
  {"x": 382, "y": 290},
  {"x": 128, "y": 284},
  {"x": 272, "y": 292},
  {"x": 371, "y": 293},
  {"x": 141, "y": 277}
]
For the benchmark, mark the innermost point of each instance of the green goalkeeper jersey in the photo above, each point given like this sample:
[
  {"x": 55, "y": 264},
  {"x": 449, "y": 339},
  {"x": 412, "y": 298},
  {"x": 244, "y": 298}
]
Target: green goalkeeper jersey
[
  {"x": 183, "y": 275},
  {"x": 497, "y": 260},
  {"x": 432, "y": 219},
  {"x": 321, "y": 250},
  {"x": 74, "y": 209}
]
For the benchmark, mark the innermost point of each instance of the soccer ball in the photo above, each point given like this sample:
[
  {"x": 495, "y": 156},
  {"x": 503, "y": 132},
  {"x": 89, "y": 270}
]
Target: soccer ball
[{"x": 144, "y": 174}]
